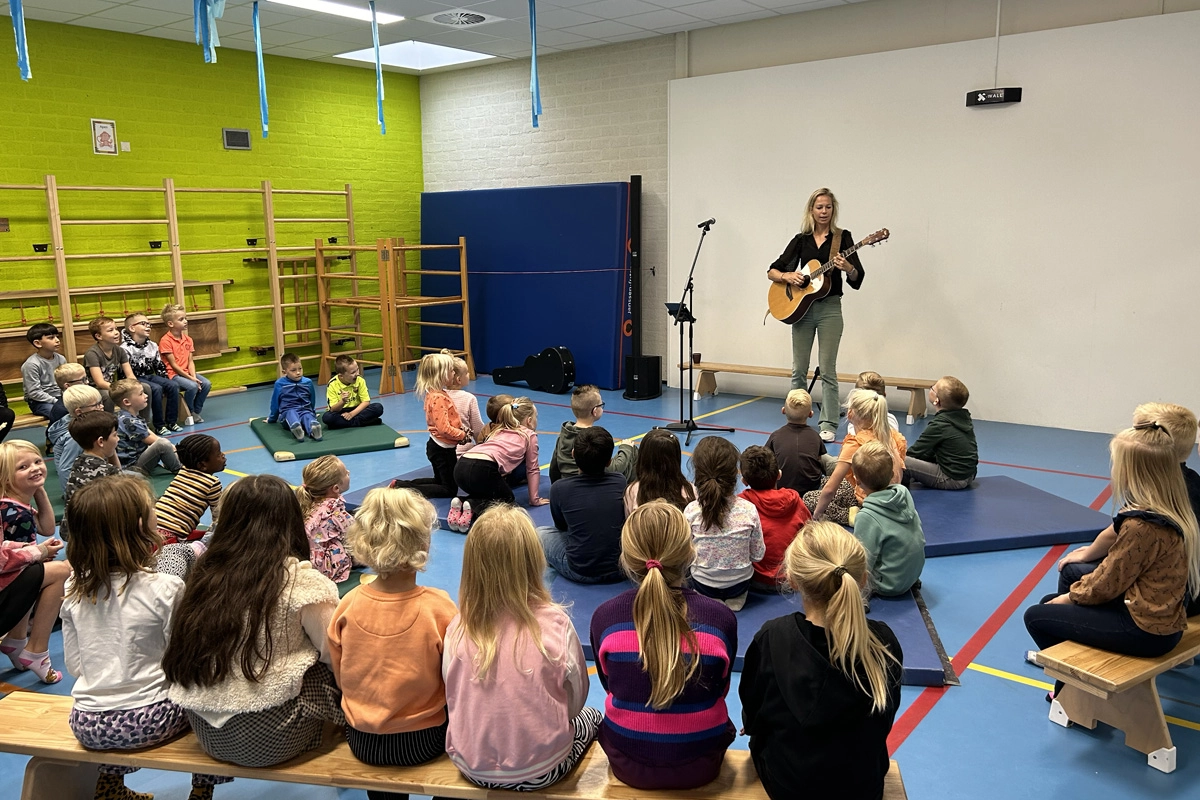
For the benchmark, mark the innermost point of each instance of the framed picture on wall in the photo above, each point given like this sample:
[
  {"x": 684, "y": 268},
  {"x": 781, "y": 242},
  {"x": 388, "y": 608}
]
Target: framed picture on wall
[{"x": 104, "y": 137}]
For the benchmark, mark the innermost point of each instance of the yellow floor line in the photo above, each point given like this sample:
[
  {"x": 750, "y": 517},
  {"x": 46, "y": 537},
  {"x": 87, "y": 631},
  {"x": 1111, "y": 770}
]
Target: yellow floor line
[
  {"x": 1009, "y": 676},
  {"x": 591, "y": 670},
  {"x": 237, "y": 474},
  {"x": 244, "y": 449},
  {"x": 730, "y": 408}
]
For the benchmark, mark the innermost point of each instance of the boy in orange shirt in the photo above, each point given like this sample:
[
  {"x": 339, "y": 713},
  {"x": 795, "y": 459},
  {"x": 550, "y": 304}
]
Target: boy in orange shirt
[{"x": 176, "y": 348}]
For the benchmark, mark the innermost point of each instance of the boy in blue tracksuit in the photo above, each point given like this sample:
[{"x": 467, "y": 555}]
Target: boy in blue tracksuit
[{"x": 294, "y": 401}]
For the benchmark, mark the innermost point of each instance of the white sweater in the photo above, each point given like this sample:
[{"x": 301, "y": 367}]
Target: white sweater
[
  {"x": 306, "y": 593},
  {"x": 114, "y": 647}
]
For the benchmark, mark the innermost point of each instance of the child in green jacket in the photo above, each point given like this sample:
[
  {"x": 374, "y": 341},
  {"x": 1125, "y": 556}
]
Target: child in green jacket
[
  {"x": 887, "y": 524},
  {"x": 945, "y": 455}
]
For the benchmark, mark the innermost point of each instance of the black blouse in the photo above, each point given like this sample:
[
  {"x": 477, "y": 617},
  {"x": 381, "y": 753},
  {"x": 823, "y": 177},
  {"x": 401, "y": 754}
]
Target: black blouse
[{"x": 803, "y": 248}]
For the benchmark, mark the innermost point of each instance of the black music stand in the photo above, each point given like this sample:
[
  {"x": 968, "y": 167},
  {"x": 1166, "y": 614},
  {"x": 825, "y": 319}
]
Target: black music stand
[{"x": 683, "y": 316}]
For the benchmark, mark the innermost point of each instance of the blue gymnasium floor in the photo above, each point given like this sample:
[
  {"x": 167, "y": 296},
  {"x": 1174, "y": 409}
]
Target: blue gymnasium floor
[{"x": 988, "y": 738}]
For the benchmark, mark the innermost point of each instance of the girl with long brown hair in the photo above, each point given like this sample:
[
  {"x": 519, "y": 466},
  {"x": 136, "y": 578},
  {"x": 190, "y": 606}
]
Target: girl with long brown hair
[
  {"x": 820, "y": 688},
  {"x": 664, "y": 655},
  {"x": 247, "y": 656},
  {"x": 516, "y": 678},
  {"x": 115, "y": 620},
  {"x": 659, "y": 474}
]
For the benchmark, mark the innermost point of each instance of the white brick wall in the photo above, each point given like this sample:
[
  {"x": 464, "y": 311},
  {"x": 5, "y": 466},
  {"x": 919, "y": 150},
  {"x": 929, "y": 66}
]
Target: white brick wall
[{"x": 604, "y": 118}]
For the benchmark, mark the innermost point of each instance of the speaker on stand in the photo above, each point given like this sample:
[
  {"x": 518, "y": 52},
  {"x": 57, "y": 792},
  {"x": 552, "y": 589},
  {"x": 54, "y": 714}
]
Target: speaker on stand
[{"x": 643, "y": 374}]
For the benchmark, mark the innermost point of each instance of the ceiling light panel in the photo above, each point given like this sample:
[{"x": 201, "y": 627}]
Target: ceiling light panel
[{"x": 338, "y": 9}]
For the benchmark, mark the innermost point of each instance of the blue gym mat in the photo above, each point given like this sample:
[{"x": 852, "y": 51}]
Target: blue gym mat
[
  {"x": 922, "y": 662},
  {"x": 1000, "y": 513},
  {"x": 539, "y": 514}
]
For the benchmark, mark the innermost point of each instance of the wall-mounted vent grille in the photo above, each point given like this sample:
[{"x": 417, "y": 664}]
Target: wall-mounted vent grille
[
  {"x": 236, "y": 138},
  {"x": 460, "y": 18}
]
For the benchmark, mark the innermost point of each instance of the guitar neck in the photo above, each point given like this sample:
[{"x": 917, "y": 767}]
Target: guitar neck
[{"x": 828, "y": 265}]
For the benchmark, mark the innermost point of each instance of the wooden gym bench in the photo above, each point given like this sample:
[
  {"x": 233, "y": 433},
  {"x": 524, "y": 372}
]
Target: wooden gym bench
[
  {"x": 1119, "y": 690},
  {"x": 36, "y": 725},
  {"x": 707, "y": 382}
]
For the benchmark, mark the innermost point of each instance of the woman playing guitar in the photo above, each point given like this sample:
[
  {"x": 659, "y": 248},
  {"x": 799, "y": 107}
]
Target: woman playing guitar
[{"x": 824, "y": 318}]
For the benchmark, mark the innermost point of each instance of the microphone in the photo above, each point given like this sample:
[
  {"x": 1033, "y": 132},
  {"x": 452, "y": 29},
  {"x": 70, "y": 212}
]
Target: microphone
[{"x": 708, "y": 223}]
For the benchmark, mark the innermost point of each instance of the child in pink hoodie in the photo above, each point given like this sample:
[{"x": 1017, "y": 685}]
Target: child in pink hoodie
[{"x": 781, "y": 511}]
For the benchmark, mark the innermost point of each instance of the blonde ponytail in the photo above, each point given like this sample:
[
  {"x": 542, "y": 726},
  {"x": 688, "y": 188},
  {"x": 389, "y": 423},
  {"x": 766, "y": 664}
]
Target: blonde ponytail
[
  {"x": 827, "y": 566},
  {"x": 319, "y": 477},
  {"x": 870, "y": 408},
  {"x": 656, "y": 552}
]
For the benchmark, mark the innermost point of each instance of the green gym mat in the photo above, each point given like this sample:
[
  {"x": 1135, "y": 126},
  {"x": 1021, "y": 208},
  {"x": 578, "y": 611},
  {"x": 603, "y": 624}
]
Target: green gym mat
[
  {"x": 160, "y": 479},
  {"x": 343, "y": 442}
]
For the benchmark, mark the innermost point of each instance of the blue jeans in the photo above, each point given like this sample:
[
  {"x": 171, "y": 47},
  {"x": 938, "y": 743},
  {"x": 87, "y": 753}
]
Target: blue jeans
[
  {"x": 194, "y": 392},
  {"x": 162, "y": 390},
  {"x": 50, "y": 411},
  {"x": 554, "y": 542},
  {"x": 824, "y": 322}
]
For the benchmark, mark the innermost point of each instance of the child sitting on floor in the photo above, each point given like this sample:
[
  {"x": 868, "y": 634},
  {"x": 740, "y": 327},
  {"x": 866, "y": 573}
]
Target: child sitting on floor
[
  {"x": 466, "y": 404},
  {"x": 588, "y": 406},
  {"x": 326, "y": 519},
  {"x": 177, "y": 348},
  {"x": 483, "y": 471},
  {"x": 247, "y": 655},
  {"x": 194, "y": 490},
  {"x": 513, "y": 662},
  {"x": 659, "y": 474},
  {"x": 726, "y": 528},
  {"x": 664, "y": 655},
  {"x": 149, "y": 368},
  {"x": 781, "y": 513},
  {"x": 874, "y": 382},
  {"x": 841, "y": 492},
  {"x": 349, "y": 400},
  {"x": 95, "y": 433},
  {"x": 820, "y": 688},
  {"x": 115, "y": 621},
  {"x": 798, "y": 449},
  {"x": 446, "y": 428},
  {"x": 492, "y": 408},
  {"x": 42, "y": 394},
  {"x": 67, "y": 375},
  {"x": 887, "y": 524},
  {"x": 945, "y": 455},
  {"x": 137, "y": 446},
  {"x": 294, "y": 400},
  {"x": 386, "y": 637},
  {"x": 78, "y": 399}
]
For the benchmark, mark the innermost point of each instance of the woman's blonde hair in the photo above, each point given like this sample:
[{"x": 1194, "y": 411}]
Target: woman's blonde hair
[
  {"x": 319, "y": 477},
  {"x": 808, "y": 224},
  {"x": 501, "y": 580},
  {"x": 512, "y": 416},
  {"x": 111, "y": 534},
  {"x": 828, "y": 567},
  {"x": 433, "y": 371},
  {"x": 870, "y": 409},
  {"x": 10, "y": 453},
  {"x": 391, "y": 531},
  {"x": 657, "y": 552},
  {"x": 1146, "y": 477}
]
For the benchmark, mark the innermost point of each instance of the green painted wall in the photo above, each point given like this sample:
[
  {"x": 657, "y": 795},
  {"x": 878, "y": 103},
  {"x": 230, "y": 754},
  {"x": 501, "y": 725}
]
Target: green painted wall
[{"x": 170, "y": 106}]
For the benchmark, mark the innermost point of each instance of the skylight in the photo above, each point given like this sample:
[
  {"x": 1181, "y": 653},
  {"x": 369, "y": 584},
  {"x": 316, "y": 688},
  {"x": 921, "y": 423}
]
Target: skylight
[
  {"x": 415, "y": 55},
  {"x": 339, "y": 9}
]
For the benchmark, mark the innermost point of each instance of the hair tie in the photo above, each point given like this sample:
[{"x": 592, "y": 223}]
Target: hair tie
[
  {"x": 1152, "y": 424},
  {"x": 652, "y": 564},
  {"x": 515, "y": 406},
  {"x": 839, "y": 571}
]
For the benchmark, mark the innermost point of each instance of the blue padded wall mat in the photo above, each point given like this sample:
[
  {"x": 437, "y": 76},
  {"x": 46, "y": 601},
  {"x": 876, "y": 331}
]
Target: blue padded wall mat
[
  {"x": 1000, "y": 513},
  {"x": 922, "y": 663},
  {"x": 547, "y": 267},
  {"x": 539, "y": 514}
]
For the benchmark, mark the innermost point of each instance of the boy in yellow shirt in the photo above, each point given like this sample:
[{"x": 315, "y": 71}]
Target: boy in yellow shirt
[{"x": 350, "y": 403}]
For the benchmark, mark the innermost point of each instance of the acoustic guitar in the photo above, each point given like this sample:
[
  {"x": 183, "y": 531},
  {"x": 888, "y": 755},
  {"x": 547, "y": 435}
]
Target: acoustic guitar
[
  {"x": 552, "y": 370},
  {"x": 789, "y": 303}
]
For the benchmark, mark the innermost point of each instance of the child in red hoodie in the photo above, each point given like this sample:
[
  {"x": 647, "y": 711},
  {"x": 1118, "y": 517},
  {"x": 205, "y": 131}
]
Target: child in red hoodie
[{"x": 781, "y": 511}]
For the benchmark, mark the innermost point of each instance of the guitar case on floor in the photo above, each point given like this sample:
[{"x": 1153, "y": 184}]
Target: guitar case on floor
[{"x": 552, "y": 370}]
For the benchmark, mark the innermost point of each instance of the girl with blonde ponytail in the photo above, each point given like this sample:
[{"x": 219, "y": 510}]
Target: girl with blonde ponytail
[
  {"x": 516, "y": 678},
  {"x": 867, "y": 412},
  {"x": 820, "y": 688},
  {"x": 1134, "y": 601},
  {"x": 663, "y": 654},
  {"x": 326, "y": 519}
]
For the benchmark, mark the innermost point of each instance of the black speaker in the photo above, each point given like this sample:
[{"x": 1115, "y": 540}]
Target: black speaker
[{"x": 643, "y": 377}]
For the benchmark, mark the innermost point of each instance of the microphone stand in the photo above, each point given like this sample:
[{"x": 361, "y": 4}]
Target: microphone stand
[{"x": 683, "y": 317}]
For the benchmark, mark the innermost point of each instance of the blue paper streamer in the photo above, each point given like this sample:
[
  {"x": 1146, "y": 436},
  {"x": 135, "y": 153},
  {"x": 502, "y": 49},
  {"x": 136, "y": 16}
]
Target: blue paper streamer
[
  {"x": 378, "y": 68},
  {"x": 262, "y": 75},
  {"x": 205, "y": 14},
  {"x": 18, "y": 20},
  {"x": 533, "y": 70}
]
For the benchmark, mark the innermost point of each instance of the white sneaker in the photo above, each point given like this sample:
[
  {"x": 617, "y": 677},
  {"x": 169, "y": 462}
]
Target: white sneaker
[
  {"x": 828, "y": 436},
  {"x": 187, "y": 423}
]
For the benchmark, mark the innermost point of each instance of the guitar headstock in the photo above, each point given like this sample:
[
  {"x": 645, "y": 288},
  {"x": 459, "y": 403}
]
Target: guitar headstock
[{"x": 878, "y": 236}]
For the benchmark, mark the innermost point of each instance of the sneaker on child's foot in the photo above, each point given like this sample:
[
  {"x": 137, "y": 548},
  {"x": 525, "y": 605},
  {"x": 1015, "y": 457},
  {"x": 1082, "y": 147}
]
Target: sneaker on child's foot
[
  {"x": 175, "y": 427},
  {"x": 828, "y": 436},
  {"x": 736, "y": 603},
  {"x": 314, "y": 431},
  {"x": 1031, "y": 658},
  {"x": 297, "y": 431},
  {"x": 851, "y": 515},
  {"x": 454, "y": 515},
  {"x": 164, "y": 431},
  {"x": 464, "y": 519},
  {"x": 196, "y": 418},
  {"x": 189, "y": 422}
]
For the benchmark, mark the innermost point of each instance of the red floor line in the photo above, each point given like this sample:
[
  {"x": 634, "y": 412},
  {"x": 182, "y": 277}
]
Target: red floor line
[
  {"x": 1101, "y": 499},
  {"x": 925, "y": 702},
  {"x": 1044, "y": 469}
]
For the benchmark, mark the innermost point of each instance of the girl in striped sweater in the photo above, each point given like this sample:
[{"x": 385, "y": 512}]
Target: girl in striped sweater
[{"x": 664, "y": 655}]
